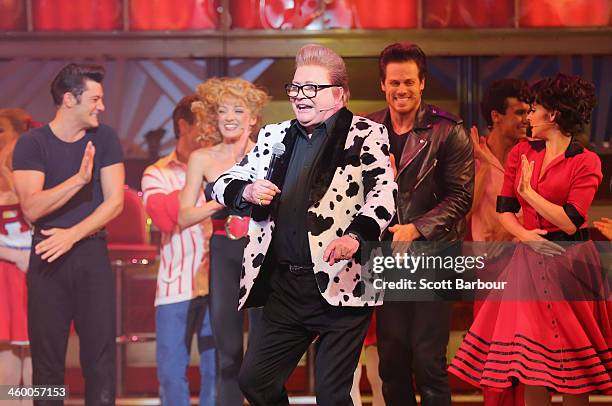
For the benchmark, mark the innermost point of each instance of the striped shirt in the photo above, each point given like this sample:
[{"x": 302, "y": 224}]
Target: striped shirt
[{"x": 184, "y": 262}]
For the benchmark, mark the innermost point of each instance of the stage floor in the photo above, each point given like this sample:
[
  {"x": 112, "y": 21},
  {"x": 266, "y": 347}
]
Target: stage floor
[{"x": 459, "y": 400}]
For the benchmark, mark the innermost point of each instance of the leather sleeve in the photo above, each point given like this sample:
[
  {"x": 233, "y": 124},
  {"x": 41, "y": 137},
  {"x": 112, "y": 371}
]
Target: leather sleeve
[{"x": 458, "y": 167}]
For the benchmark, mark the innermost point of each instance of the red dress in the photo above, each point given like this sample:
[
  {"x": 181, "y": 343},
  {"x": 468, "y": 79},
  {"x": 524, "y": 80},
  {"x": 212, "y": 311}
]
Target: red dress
[
  {"x": 14, "y": 233},
  {"x": 560, "y": 344}
]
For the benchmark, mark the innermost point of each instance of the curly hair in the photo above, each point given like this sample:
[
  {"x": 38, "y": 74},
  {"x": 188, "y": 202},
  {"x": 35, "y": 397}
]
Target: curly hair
[
  {"x": 496, "y": 97},
  {"x": 571, "y": 96},
  {"x": 21, "y": 122},
  {"x": 214, "y": 91}
]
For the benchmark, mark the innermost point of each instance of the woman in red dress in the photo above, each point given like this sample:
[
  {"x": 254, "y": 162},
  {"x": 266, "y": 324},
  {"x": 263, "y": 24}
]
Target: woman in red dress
[
  {"x": 539, "y": 339},
  {"x": 15, "y": 242}
]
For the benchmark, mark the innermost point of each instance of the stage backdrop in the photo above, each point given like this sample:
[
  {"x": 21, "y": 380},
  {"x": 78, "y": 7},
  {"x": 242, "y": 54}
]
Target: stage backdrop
[
  {"x": 107, "y": 15},
  {"x": 140, "y": 94}
]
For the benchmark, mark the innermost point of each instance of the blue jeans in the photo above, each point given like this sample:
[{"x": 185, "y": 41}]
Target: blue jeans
[{"x": 175, "y": 325}]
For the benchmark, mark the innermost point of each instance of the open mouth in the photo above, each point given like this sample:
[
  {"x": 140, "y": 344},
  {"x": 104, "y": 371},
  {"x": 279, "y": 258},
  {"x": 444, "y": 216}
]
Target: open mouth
[
  {"x": 230, "y": 127},
  {"x": 303, "y": 107}
]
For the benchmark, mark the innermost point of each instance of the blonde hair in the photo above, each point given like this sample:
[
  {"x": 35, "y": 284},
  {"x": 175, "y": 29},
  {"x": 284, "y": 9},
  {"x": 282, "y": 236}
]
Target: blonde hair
[
  {"x": 318, "y": 55},
  {"x": 21, "y": 122},
  {"x": 214, "y": 91}
]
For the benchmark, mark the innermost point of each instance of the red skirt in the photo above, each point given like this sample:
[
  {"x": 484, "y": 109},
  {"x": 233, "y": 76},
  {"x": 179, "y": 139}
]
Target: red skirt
[
  {"x": 562, "y": 345},
  {"x": 13, "y": 304}
]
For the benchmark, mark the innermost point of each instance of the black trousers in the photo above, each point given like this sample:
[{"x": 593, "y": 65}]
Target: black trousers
[
  {"x": 227, "y": 321},
  {"x": 294, "y": 315},
  {"x": 412, "y": 338},
  {"x": 78, "y": 286}
]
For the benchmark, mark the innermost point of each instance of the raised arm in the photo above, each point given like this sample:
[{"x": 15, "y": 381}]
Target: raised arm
[
  {"x": 60, "y": 240},
  {"x": 583, "y": 186},
  {"x": 36, "y": 202}
]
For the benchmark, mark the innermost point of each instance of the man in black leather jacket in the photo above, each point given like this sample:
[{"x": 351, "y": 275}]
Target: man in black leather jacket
[{"x": 435, "y": 175}]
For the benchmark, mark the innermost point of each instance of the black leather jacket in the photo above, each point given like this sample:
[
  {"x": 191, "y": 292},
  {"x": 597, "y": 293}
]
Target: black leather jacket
[{"x": 435, "y": 174}]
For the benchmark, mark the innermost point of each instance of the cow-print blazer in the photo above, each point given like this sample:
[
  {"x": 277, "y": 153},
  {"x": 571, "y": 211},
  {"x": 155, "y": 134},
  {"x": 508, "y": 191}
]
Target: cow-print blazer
[{"x": 353, "y": 191}]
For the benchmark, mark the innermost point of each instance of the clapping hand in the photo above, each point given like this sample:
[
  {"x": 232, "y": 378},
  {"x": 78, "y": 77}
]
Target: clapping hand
[
  {"x": 524, "y": 186},
  {"x": 87, "y": 163}
]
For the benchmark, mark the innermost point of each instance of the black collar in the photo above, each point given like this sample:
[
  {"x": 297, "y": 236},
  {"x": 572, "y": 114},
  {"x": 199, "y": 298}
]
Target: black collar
[
  {"x": 574, "y": 148},
  {"x": 422, "y": 121},
  {"x": 327, "y": 125}
]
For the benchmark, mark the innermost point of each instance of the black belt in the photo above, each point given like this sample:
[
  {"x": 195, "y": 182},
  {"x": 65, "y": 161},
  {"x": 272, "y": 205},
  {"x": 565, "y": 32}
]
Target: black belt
[
  {"x": 297, "y": 269},
  {"x": 580, "y": 235},
  {"x": 100, "y": 234}
]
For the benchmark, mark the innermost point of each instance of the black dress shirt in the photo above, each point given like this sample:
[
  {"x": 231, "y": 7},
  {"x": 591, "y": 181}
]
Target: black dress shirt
[{"x": 290, "y": 241}]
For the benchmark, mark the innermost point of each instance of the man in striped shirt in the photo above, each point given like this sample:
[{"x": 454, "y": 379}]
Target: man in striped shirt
[{"x": 182, "y": 281}]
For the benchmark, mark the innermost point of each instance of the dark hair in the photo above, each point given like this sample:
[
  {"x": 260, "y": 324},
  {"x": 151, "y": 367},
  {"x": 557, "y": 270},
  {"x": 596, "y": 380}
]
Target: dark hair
[
  {"x": 402, "y": 52},
  {"x": 72, "y": 79},
  {"x": 496, "y": 95},
  {"x": 572, "y": 97},
  {"x": 183, "y": 110}
]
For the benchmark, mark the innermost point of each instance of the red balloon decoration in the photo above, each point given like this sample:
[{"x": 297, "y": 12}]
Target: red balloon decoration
[{"x": 291, "y": 14}]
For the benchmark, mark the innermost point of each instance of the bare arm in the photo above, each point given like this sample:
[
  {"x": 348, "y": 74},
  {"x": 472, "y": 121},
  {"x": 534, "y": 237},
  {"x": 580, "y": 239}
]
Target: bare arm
[
  {"x": 554, "y": 213},
  {"x": 62, "y": 240},
  {"x": 189, "y": 214},
  {"x": 112, "y": 178},
  {"x": 36, "y": 202},
  {"x": 21, "y": 258},
  {"x": 510, "y": 222}
]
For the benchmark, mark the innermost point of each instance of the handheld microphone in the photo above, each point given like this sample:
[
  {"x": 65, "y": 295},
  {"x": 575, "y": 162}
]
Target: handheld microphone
[{"x": 278, "y": 150}]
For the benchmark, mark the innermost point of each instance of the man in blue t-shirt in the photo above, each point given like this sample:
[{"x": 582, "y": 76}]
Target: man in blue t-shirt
[{"x": 69, "y": 177}]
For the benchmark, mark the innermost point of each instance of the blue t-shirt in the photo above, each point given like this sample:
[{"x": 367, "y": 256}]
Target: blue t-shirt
[{"x": 41, "y": 150}]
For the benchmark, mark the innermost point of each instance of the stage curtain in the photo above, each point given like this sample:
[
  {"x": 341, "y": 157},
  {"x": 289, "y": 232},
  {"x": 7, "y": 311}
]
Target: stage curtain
[
  {"x": 12, "y": 15},
  {"x": 468, "y": 13},
  {"x": 565, "y": 13},
  {"x": 77, "y": 15},
  {"x": 177, "y": 15}
]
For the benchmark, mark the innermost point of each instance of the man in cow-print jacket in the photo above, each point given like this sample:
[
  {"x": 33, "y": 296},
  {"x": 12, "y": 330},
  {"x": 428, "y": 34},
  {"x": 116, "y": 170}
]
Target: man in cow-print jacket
[{"x": 331, "y": 191}]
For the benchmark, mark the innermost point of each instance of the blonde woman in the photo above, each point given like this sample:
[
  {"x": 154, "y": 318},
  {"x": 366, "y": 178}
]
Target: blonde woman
[
  {"x": 15, "y": 243},
  {"x": 230, "y": 112}
]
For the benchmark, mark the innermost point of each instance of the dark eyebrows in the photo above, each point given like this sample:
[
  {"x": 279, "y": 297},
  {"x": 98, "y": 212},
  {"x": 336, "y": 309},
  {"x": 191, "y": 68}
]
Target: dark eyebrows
[{"x": 407, "y": 81}]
